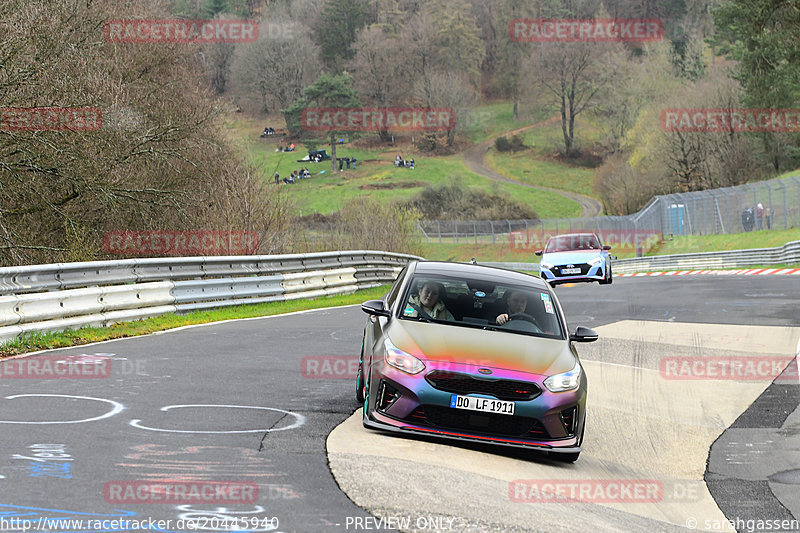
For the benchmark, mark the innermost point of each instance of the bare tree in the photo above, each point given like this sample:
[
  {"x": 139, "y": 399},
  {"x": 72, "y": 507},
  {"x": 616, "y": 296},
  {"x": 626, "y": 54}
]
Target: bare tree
[
  {"x": 449, "y": 90},
  {"x": 159, "y": 160},
  {"x": 573, "y": 74},
  {"x": 274, "y": 70},
  {"x": 379, "y": 77}
]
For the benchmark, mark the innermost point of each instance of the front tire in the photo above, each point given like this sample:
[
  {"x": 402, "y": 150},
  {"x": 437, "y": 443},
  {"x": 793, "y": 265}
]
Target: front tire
[
  {"x": 360, "y": 385},
  {"x": 608, "y": 277}
]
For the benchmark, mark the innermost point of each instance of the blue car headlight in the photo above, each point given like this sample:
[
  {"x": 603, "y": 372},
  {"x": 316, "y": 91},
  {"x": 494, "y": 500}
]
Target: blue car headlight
[
  {"x": 566, "y": 381},
  {"x": 402, "y": 360}
]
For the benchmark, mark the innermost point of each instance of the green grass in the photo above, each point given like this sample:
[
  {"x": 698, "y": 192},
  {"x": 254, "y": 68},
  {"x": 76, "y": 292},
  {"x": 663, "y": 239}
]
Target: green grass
[
  {"x": 734, "y": 241},
  {"x": 538, "y": 165},
  {"x": 526, "y": 167},
  {"x": 45, "y": 341},
  {"x": 495, "y": 118},
  {"x": 377, "y": 176}
]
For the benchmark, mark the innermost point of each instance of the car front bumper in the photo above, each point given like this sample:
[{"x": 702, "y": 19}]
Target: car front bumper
[{"x": 421, "y": 409}]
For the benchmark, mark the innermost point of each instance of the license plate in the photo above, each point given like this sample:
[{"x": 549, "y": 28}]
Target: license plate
[
  {"x": 570, "y": 270},
  {"x": 486, "y": 405}
]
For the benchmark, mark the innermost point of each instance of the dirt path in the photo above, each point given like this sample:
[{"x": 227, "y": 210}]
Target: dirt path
[{"x": 474, "y": 159}]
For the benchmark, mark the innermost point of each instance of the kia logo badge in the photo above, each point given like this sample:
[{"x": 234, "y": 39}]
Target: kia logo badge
[{"x": 485, "y": 370}]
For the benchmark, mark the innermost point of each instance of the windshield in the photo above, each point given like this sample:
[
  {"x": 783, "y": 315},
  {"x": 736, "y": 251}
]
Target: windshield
[
  {"x": 565, "y": 243},
  {"x": 470, "y": 303}
]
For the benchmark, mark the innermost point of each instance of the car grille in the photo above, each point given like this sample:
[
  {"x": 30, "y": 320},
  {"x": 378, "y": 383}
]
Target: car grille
[
  {"x": 584, "y": 270},
  {"x": 487, "y": 423},
  {"x": 502, "y": 389}
]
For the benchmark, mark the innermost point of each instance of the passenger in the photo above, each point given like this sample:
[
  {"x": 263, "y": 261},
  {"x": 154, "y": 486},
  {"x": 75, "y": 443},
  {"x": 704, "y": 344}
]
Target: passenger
[
  {"x": 516, "y": 303},
  {"x": 428, "y": 300}
]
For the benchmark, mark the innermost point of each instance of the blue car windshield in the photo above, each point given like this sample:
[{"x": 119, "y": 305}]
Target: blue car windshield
[
  {"x": 567, "y": 243},
  {"x": 462, "y": 302}
]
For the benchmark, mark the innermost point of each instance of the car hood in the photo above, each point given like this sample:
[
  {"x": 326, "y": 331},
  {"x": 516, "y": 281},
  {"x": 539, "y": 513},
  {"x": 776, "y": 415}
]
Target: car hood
[
  {"x": 481, "y": 348},
  {"x": 571, "y": 257}
]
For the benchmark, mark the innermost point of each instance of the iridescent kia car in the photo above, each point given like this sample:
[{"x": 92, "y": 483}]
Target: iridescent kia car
[
  {"x": 574, "y": 257},
  {"x": 473, "y": 353}
]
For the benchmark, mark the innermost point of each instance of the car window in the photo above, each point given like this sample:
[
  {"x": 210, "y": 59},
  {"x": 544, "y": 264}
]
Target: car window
[
  {"x": 395, "y": 290},
  {"x": 565, "y": 243},
  {"x": 469, "y": 303}
]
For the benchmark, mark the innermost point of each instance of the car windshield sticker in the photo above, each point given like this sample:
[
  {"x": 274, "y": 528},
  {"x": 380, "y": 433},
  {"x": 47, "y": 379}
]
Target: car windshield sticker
[
  {"x": 408, "y": 311},
  {"x": 548, "y": 305},
  {"x": 480, "y": 294}
]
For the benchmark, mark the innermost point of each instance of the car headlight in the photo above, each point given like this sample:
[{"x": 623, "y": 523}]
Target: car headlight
[
  {"x": 546, "y": 266},
  {"x": 402, "y": 360},
  {"x": 566, "y": 381},
  {"x": 596, "y": 261}
]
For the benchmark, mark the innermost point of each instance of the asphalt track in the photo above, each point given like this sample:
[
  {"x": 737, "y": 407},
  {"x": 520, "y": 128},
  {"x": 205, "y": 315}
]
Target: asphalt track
[{"x": 230, "y": 402}]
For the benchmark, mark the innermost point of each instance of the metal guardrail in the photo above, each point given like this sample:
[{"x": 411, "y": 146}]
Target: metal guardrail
[
  {"x": 789, "y": 253},
  {"x": 61, "y": 296}
]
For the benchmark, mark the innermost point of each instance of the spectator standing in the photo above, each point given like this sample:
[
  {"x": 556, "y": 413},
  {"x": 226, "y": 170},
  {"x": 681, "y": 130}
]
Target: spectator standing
[{"x": 759, "y": 216}]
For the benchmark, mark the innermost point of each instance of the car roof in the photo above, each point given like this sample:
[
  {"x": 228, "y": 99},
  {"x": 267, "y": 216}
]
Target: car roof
[
  {"x": 477, "y": 272},
  {"x": 574, "y": 235}
]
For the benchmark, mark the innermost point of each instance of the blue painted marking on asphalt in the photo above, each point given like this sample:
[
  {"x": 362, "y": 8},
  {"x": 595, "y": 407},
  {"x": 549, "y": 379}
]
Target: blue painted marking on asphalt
[{"x": 50, "y": 469}]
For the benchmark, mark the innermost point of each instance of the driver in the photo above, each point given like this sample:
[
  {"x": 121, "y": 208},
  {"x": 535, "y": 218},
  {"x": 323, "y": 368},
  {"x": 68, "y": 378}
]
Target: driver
[
  {"x": 517, "y": 301},
  {"x": 428, "y": 300}
]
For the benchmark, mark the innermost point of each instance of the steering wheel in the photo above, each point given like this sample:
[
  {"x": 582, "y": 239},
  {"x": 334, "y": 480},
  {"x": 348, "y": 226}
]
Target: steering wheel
[
  {"x": 522, "y": 316},
  {"x": 526, "y": 323}
]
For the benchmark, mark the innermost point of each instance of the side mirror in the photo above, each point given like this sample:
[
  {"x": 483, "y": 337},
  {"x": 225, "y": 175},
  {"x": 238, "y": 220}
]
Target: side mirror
[
  {"x": 376, "y": 308},
  {"x": 538, "y": 252},
  {"x": 606, "y": 247},
  {"x": 584, "y": 334}
]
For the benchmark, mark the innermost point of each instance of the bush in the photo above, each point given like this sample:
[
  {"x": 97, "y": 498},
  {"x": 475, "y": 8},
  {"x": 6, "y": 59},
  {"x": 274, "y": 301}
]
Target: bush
[
  {"x": 455, "y": 201},
  {"x": 369, "y": 224},
  {"x": 504, "y": 144},
  {"x": 428, "y": 143}
]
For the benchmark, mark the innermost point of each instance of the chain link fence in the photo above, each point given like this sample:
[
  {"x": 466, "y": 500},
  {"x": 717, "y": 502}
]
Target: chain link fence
[{"x": 773, "y": 204}]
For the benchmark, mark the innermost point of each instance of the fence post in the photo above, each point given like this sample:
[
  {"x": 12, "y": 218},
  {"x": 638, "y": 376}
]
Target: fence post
[
  {"x": 768, "y": 217},
  {"x": 785, "y": 219},
  {"x": 797, "y": 182}
]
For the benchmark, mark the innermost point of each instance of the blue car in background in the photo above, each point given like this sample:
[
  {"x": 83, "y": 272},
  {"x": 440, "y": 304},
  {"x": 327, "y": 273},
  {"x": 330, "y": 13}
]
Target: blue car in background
[{"x": 574, "y": 257}]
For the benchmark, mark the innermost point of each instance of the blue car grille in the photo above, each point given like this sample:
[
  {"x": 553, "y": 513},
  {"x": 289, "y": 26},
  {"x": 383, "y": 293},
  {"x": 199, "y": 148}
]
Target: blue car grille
[
  {"x": 584, "y": 270},
  {"x": 502, "y": 389}
]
